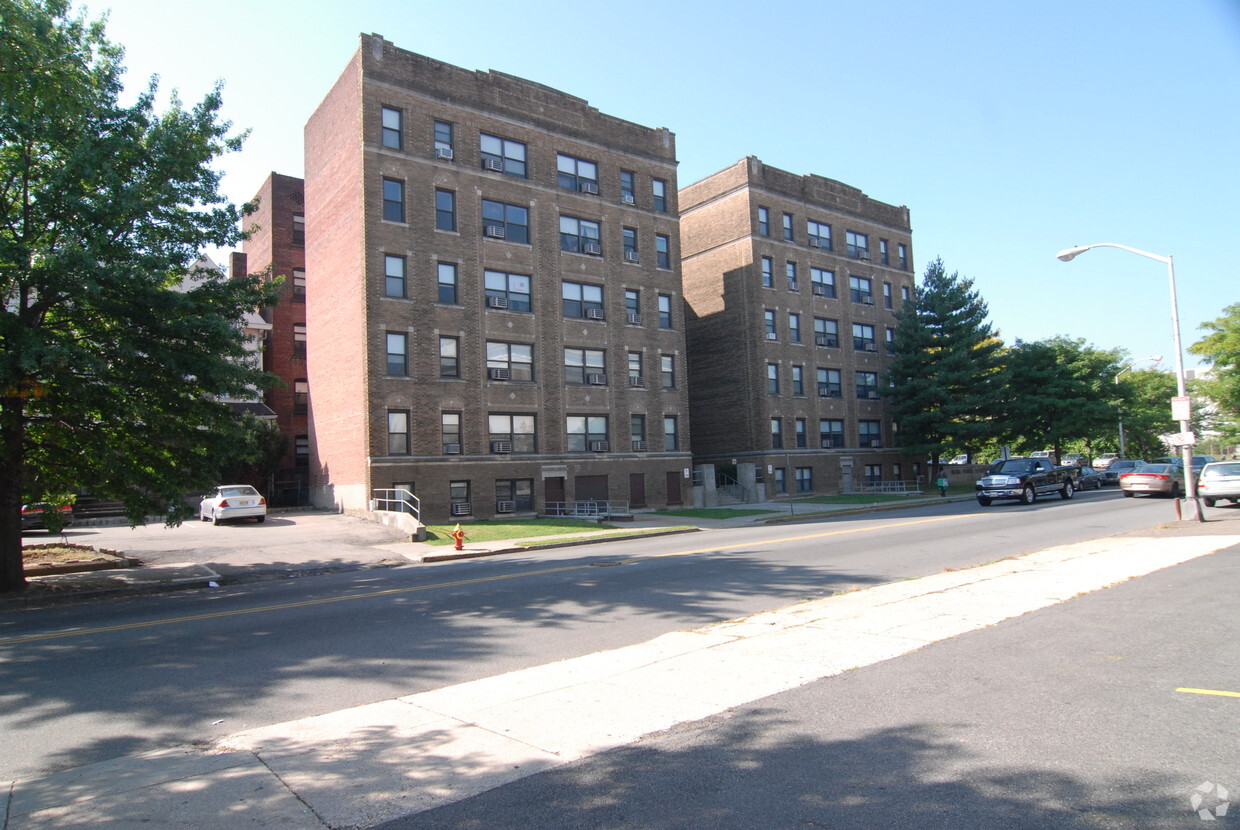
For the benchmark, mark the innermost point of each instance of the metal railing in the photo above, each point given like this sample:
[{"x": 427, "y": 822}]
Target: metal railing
[
  {"x": 397, "y": 500},
  {"x": 587, "y": 508},
  {"x": 898, "y": 488}
]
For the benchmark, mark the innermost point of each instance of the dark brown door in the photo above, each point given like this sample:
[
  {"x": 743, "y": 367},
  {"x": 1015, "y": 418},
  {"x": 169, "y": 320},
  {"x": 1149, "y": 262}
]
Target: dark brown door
[
  {"x": 553, "y": 496},
  {"x": 637, "y": 489},
  {"x": 673, "y": 489}
]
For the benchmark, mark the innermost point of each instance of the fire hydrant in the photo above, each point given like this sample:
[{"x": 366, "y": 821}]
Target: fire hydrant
[{"x": 458, "y": 536}]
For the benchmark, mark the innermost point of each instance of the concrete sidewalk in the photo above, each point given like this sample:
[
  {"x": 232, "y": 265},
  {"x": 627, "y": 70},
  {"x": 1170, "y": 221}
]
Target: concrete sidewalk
[{"x": 368, "y": 764}]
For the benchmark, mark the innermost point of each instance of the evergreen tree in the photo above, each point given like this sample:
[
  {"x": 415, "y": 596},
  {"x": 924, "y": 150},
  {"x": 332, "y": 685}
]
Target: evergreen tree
[
  {"x": 945, "y": 376},
  {"x": 109, "y": 379}
]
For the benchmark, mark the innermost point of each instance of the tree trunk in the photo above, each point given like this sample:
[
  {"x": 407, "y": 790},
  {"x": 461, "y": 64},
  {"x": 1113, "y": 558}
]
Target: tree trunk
[{"x": 12, "y": 577}]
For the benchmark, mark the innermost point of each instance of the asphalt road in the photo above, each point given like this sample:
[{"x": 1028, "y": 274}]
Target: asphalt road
[{"x": 91, "y": 682}]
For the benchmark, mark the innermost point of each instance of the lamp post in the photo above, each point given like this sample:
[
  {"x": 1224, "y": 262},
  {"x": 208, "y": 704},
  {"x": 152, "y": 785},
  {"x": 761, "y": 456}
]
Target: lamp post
[
  {"x": 1186, "y": 451},
  {"x": 1121, "y": 406}
]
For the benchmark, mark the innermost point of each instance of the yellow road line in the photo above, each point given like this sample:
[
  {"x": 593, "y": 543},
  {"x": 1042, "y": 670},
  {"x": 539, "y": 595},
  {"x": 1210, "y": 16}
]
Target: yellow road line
[
  {"x": 81, "y": 632},
  {"x": 1209, "y": 692}
]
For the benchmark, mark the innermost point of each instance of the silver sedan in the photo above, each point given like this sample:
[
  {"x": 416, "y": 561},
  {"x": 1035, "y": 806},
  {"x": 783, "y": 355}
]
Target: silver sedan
[
  {"x": 1219, "y": 480},
  {"x": 232, "y": 501}
]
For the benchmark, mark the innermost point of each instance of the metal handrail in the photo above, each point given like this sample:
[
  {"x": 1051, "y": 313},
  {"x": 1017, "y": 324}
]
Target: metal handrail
[
  {"x": 397, "y": 500},
  {"x": 587, "y": 508}
]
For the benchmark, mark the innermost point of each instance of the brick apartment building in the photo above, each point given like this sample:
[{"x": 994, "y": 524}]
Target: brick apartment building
[
  {"x": 494, "y": 312},
  {"x": 791, "y": 284},
  {"x": 276, "y": 245}
]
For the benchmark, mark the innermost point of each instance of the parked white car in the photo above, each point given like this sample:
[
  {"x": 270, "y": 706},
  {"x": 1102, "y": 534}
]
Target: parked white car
[
  {"x": 960, "y": 459},
  {"x": 232, "y": 501},
  {"x": 1105, "y": 460}
]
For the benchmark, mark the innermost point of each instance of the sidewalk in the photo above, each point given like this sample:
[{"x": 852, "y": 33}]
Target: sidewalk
[{"x": 368, "y": 764}]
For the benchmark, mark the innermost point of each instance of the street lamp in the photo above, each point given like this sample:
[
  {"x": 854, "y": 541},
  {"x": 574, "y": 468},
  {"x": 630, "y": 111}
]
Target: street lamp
[
  {"x": 1121, "y": 406},
  {"x": 1186, "y": 450}
]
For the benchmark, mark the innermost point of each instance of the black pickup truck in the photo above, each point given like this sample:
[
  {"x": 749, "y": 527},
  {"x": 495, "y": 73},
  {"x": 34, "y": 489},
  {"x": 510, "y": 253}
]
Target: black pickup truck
[{"x": 1023, "y": 480}]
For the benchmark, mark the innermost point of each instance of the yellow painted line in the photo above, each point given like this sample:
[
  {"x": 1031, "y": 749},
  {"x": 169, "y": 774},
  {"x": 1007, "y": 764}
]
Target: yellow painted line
[
  {"x": 81, "y": 632},
  {"x": 1209, "y": 692}
]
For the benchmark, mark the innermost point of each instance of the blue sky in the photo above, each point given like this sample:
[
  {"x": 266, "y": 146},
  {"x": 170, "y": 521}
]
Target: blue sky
[{"x": 1011, "y": 131}]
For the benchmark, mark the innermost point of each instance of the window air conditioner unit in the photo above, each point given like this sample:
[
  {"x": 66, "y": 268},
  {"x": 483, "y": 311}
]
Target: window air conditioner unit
[
  {"x": 634, "y": 318},
  {"x": 770, "y": 335},
  {"x": 639, "y": 446},
  {"x": 499, "y": 374},
  {"x": 828, "y": 393},
  {"x": 636, "y": 382},
  {"x": 863, "y": 254},
  {"x": 595, "y": 314},
  {"x": 814, "y": 243},
  {"x": 627, "y": 198},
  {"x": 497, "y": 302},
  {"x": 873, "y": 396},
  {"x": 461, "y": 508},
  {"x": 826, "y": 340},
  {"x": 828, "y": 444},
  {"x": 443, "y": 153},
  {"x": 495, "y": 231},
  {"x": 870, "y": 347},
  {"x": 592, "y": 248},
  {"x": 632, "y": 256},
  {"x": 598, "y": 446},
  {"x": 493, "y": 164},
  {"x": 452, "y": 449},
  {"x": 505, "y": 507},
  {"x": 876, "y": 443},
  {"x": 596, "y": 380},
  {"x": 588, "y": 187},
  {"x": 501, "y": 447}
]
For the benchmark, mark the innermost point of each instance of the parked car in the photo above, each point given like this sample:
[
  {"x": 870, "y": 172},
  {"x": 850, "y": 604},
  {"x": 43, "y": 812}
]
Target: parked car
[
  {"x": 1219, "y": 480},
  {"x": 1200, "y": 461},
  {"x": 1024, "y": 479},
  {"x": 1154, "y": 480},
  {"x": 232, "y": 501},
  {"x": 32, "y": 514},
  {"x": 1087, "y": 478},
  {"x": 1041, "y": 454},
  {"x": 1105, "y": 460},
  {"x": 1074, "y": 459},
  {"x": 960, "y": 459},
  {"x": 1124, "y": 465}
]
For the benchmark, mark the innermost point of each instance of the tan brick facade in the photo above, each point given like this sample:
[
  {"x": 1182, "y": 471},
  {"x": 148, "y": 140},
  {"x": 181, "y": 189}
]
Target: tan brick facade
[{"x": 848, "y": 263}]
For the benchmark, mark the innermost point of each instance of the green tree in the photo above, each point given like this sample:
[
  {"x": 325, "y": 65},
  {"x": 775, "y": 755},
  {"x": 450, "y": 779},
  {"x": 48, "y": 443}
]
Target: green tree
[
  {"x": 109, "y": 378},
  {"x": 945, "y": 375},
  {"x": 1221, "y": 350},
  {"x": 1145, "y": 398}
]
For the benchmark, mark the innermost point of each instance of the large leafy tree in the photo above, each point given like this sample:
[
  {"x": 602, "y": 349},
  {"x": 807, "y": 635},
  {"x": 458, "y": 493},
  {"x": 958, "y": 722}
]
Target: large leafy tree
[
  {"x": 1221, "y": 350},
  {"x": 945, "y": 376},
  {"x": 1145, "y": 398},
  {"x": 109, "y": 378}
]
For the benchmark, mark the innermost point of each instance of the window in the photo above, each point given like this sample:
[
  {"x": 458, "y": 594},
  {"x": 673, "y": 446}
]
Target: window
[
  {"x": 826, "y": 333},
  {"x": 887, "y": 298},
  {"x": 393, "y": 200},
  {"x": 449, "y": 357},
  {"x": 822, "y": 282},
  {"x": 882, "y": 252},
  {"x": 585, "y": 366},
  {"x": 447, "y": 282},
  {"x": 788, "y": 235},
  {"x": 659, "y": 188},
  {"x": 819, "y": 234},
  {"x": 665, "y": 311},
  {"x": 805, "y": 479},
  {"x": 781, "y": 480},
  {"x": 637, "y": 429},
  {"x": 863, "y": 337},
  {"x": 662, "y": 251},
  {"x": 458, "y": 498},
  {"x": 397, "y": 346},
  {"x": 772, "y": 379},
  {"x": 510, "y": 361},
  {"x": 299, "y": 230},
  {"x": 873, "y": 473},
  {"x": 794, "y": 328},
  {"x": 514, "y": 495},
  {"x": 777, "y": 434},
  {"x": 670, "y": 441},
  {"x": 577, "y": 174},
  {"x": 504, "y": 221},
  {"x": 768, "y": 272},
  {"x": 800, "y": 433},
  {"x": 867, "y": 384},
  {"x": 628, "y": 194},
  {"x": 398, "y": 431},
  {"x": 301, "y": 396},
  {"x": 301, "y": 451},
  {"x": 904, "y": 294},
  {"x": 504, "y": 290},
  {"x": 768, "y": 322},
  {"x": 392, "y": 132},
  {"x": 586, "y": 433},
  {"x": 635, "y": 370},
  {"x": 667, "y": 370},
  {"x": 445, "y": 210},
  {"x": 394, "y": 275},
  {"x": 830, "y": 433},
  {"x": 517, "y": 430},
  {"x": 582, "y": 300},
  {"x": 858, "y": 245},
  {"x": 580, "y": 236},
  {"x": 790, "y": 270},
  {"x": 860, "y": 290},
  {"x": 870, "y": 433},
  {"x": 829, "y": 383},
  {"x": 503, "y": 155},
  {"x": 444, "y": 140},
  {"x": 798, "y": 380},
  {"x": 891, "y": 340},
  {"x": 633, "y": 305},
  {"x": 764, "y": 221},
  {"x": 450, "y": 432},
  {"x": 299, "y": 286},
  {"x": 902, "y": 251},
  {"x": 299, "y": 341},
  {"x": 629, "y": 236}
]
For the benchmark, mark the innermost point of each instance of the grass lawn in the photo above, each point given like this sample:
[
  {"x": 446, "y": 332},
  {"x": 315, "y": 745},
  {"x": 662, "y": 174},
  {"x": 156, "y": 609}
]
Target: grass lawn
[{"x": 572, "y": 529}]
